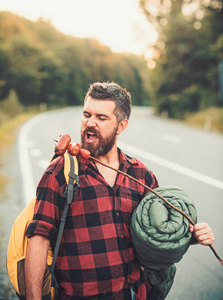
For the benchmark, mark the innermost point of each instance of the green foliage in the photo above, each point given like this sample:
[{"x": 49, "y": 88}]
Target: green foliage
[
  {"x": 9, "y": 107},
  {"x": 43, "y": 65},
  {"x": 190, "y": 48}
]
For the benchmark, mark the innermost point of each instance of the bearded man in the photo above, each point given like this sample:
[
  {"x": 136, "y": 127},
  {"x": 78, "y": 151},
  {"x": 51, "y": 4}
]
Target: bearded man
[{"x": 96, "y": 258}]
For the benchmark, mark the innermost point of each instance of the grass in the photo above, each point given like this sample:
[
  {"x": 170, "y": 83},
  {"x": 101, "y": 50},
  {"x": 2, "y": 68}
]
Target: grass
[
  {"x": 210, "y": 119},
  {"x": 9, "y": 128},
  {"x": 8, "y": 131}
]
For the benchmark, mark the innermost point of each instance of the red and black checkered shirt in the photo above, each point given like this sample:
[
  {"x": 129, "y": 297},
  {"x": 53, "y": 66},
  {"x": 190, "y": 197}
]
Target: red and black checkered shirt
[{"x": 96, "y": 257}]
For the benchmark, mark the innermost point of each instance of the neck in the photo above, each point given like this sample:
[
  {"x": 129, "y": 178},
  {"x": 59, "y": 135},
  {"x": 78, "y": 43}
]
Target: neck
[{"x": 111, "y": 157}]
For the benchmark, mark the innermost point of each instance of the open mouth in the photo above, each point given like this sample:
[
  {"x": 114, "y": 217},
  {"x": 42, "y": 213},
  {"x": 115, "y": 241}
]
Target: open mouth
[{"x": 91, "y": 137}]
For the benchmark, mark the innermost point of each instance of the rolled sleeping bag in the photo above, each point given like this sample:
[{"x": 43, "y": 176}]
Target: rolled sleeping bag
[{"x": 160, "y": 234}]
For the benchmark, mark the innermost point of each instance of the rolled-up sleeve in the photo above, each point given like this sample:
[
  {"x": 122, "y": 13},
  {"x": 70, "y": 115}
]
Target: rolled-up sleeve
[{"x": 49, "y": 202}]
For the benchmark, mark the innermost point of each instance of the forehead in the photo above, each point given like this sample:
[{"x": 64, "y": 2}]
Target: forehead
[{"x": 95, "y": 106}]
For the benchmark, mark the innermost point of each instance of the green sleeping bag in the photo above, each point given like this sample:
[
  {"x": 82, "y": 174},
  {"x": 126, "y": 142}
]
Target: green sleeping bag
[{"x": 160, "y": 234}]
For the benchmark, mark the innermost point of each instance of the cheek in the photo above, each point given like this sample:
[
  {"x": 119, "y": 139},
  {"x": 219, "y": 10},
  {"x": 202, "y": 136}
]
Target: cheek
[{"x": 105, "y": 132}]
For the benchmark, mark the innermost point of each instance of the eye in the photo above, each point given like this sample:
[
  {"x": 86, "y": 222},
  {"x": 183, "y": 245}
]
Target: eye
[
  {"x": 86, "y": 115},
  {"x": 102, "y": 118}
]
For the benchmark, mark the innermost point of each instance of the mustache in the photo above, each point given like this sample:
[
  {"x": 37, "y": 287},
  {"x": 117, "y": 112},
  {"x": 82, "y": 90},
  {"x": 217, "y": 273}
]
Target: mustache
[{"x": 92, "y": 130}]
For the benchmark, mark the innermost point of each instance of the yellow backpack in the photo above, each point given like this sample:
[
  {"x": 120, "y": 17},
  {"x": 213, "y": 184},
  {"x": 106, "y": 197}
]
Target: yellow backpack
[{"x": 17, "y": 246}]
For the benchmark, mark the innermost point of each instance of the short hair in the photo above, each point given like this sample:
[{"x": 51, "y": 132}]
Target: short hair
[{"x": 113, "y": 92}]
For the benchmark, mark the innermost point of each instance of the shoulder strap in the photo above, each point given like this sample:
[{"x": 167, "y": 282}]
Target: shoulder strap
[
  {"x": 68, "y": 161},
  {"x": 70, "y": 165},
  {"x": 72, "y": 179}
]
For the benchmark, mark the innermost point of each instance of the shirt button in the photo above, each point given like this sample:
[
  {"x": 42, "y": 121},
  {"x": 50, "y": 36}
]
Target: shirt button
[{"x": 117, "y": 214}]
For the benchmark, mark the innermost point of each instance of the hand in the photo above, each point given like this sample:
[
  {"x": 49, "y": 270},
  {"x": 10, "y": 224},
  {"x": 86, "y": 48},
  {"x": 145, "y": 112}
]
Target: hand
[{"x": 203, "y": 233}]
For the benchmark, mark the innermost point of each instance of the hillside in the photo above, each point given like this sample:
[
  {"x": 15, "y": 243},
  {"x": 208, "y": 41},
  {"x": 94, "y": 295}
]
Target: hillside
[{"x": 43, "y": 65}]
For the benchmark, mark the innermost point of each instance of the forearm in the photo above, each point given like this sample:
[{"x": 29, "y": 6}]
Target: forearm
[{"x": 35, "y": 265}]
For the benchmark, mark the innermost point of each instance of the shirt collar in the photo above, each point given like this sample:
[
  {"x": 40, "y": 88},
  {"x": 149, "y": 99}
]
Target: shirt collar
[{"x": 124, "y": 161}]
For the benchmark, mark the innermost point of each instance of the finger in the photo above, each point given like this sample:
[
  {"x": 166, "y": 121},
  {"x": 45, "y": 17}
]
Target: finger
[
  {"x": 191, "y": 228},
  {"x": 205, "y": 241},
  {"x": 201, "y": 232},
  {"x": 205, "y": 238},
  {"x": 200, "y": 226}
]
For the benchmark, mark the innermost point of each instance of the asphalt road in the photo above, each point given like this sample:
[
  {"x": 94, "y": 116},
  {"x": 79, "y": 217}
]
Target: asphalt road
[{"x": 177, "y": 154}]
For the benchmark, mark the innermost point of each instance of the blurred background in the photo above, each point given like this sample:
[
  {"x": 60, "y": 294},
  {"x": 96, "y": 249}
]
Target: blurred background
[{"x": 167, "y": 53}]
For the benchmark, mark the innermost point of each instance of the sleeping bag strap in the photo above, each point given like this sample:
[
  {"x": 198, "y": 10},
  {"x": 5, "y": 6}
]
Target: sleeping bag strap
[
  {"x": 68, "y": 194},
  {"x": 132, "y": 290}
]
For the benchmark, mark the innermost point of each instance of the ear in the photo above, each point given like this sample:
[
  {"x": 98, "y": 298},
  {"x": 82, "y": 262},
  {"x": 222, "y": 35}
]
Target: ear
[{"x": 122, "y": 125}]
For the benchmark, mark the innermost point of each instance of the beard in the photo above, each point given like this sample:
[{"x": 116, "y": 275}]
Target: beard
[{"x": 103, "y": 146}]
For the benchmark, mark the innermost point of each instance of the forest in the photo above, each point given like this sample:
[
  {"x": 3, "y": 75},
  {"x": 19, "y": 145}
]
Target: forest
[
  {"x": 188, "y": 56},
  {"x": 41, "y": 66}
]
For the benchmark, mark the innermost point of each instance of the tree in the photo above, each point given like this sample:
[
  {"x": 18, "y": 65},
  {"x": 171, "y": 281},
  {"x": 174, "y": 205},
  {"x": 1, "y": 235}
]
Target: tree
[
  {"x": 43, "y": 65},
  {"x": 4, "y": 75},
  {"x": 187, "y": 54}
]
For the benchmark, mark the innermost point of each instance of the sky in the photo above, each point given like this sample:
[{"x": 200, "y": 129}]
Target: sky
[{"x": 119, "y": 24}]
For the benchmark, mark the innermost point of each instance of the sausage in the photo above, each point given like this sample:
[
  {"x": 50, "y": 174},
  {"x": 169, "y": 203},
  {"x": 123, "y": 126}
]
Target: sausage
[
  {"x": 62, "y": 144},
  {"x": 73, "y": 149},
  {"x": 85, "y": 153}
]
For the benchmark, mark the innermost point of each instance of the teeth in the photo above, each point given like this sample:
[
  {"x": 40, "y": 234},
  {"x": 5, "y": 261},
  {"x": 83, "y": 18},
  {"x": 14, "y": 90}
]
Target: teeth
[{"x": 90, "y": 134}]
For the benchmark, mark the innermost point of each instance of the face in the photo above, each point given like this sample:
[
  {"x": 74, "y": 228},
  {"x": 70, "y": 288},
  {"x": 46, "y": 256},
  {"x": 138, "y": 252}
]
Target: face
[{"x": 99, "y": 128}]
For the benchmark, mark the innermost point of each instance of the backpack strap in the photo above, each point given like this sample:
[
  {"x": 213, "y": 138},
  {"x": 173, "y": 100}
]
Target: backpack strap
[
  {"x": 70, "y": 166},
  {"x": 68, "y": 161},
  {"x": 72, "y": 179}
]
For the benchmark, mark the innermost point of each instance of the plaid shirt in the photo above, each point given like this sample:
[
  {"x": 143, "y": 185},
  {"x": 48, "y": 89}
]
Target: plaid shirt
[{"x": 96, "y": 257}]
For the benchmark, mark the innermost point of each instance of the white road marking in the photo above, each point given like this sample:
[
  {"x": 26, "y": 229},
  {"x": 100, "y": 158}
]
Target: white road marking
[
  {"x": 35, "y": 152},
  {"x": 171, "y": 138},
  {"x": 25, "y": 164},
  {"x": 27, "y": 175},
  {"x": 170, "y": 165}
]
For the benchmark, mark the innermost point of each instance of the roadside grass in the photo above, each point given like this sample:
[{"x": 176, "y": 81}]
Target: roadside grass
[
  {"x": 210, "y": 119},
  {"x": 8, "y": 131}
]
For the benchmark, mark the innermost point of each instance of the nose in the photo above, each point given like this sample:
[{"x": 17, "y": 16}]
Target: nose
[{"x": 91, "y": 122}]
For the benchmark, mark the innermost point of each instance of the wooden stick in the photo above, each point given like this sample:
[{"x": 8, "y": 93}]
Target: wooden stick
[{"x": 166, "y": 201}]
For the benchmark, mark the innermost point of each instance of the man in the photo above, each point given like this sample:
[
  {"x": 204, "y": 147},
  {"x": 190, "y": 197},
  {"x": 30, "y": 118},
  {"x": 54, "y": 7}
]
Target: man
[{"x": 96, "y": 258}]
